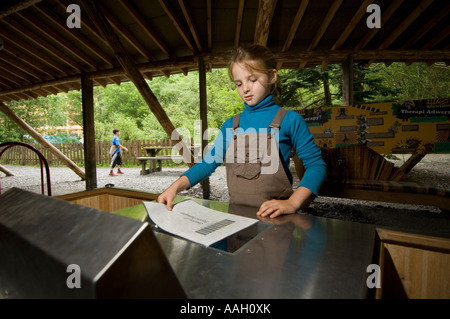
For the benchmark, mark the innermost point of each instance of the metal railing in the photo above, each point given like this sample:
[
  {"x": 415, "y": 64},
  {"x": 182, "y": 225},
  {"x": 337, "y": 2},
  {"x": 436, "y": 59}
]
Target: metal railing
[{"x": 42, "y": 160}]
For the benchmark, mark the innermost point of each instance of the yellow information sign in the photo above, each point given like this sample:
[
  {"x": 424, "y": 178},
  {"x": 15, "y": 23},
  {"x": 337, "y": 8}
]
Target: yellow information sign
[{"x": 388, "y": 128}]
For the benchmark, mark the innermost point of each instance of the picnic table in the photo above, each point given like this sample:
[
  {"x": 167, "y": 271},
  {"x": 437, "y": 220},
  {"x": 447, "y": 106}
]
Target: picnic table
[{"x": 155, "y": 158}]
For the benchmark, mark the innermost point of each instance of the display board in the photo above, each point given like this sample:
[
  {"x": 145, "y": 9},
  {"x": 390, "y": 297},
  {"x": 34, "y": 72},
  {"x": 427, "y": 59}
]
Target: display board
[{"x": 387, "y": 128}]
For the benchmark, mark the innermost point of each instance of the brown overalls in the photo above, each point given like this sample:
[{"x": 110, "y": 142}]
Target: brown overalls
[{"x": 254, "y": 173}]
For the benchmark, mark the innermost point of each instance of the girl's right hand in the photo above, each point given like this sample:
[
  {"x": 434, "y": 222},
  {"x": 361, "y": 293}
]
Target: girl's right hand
[
  {"x": 167, "y": 198},
  {"x": 169, "y": 194}
]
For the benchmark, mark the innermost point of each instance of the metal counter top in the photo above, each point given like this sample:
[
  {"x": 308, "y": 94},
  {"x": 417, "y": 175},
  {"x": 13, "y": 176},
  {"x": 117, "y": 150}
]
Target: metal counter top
[{"x": 292, "y": 256}]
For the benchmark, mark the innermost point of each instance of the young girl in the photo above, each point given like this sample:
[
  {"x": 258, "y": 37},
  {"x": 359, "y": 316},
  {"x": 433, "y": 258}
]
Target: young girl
[{"x": 256, "y": 145}]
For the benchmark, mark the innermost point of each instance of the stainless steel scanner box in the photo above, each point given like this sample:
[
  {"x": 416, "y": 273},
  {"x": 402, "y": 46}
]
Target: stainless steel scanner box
[{"x": 45, "y": 243}]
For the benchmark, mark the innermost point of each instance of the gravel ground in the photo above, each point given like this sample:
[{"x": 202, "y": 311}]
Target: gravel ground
[{"x": 434, "y": 169}]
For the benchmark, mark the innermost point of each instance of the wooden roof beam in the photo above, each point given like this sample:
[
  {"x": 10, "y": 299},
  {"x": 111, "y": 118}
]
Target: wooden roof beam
[
  {"x": 385, "y": 15},
  {"x": 42, "y": 93},
  {"x": 352, "y": 24},
  {"x": 165, "y": 73},
  {"x": 295, "y": 24},
  {"x": 438, "y": 38},
  {"x": 75, "y": 85},
  {"x": 101, "y": 82},
  {"x": 17, "y": 6},
  {"x": 428, "y": 26},
  {"x": 31, "y": 94},
  {"x": 37, "y": 40},
  {"x": 56, "y": 82},
  {"x": 405, "y": 24},
  {"x": 62, "y": 88},
  {"x": 191, "y": 24},
  {"x": 59, "y": 39},
  {"x": 6, "y": 98},
  {"x": 4, "y": 85},
  {"x": 177, "y": 23},
  {"x": 11, "y": 78},
  {"x": 30, "y": 61},
  {"x": 13, "y": 62},
  {"x": 208, "y": 23},
  {"x": 116, "y": 80},
  {"x": 78, "y": 36},
  {"x": 264, "y": 17},
  {"x": 35, "y": 55},
  {"x": 86, "y": 23},
  {"x": 178, "y": 63},
  {"x": 23, "y": 96},
  {"x": 137, "y": 16},
  {"x": 300, "y": 58},
  {"x": 240, "y": 14},
  {"x": 127, "y": 35},
  {"x": 324, "y": 26},
  {"x": 148, "y": 76},
  {"x": 50, "y": 90},
  {"x": 12, "y": 70},
  {"x": 182, "y": 64},
  {"x": 184, "y": 71}
]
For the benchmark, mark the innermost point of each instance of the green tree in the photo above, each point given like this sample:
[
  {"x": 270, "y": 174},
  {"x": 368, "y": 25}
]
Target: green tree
[
  {"x": 32, "y": 111},
  {"x": 417, "y": 81},
  {"x": 311, "y": 87},
  {"x": 369, "y": 87}
]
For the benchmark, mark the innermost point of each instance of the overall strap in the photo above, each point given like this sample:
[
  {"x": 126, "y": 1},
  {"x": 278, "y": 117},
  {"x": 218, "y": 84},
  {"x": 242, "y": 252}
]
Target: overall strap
[
  {"x": 276, "y": 122},
  {"x": 235, "y": 125},
  {"x": 236, "y": 121}
]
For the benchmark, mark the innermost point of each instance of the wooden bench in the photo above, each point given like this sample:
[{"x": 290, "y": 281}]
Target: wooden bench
[{"x": 155, "y": 162}]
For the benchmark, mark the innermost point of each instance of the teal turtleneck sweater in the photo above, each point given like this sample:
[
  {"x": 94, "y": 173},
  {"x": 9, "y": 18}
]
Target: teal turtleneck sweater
[{"x": 293, "y": 133}]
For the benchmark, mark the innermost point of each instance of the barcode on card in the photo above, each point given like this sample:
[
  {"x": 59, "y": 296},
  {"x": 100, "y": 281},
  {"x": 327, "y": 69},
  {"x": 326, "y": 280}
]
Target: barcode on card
[{"x": 216, "y": 226}]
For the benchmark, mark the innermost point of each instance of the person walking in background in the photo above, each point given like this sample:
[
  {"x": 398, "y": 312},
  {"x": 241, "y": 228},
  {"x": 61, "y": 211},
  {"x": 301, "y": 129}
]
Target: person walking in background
[{"x": 116, "y": 153}]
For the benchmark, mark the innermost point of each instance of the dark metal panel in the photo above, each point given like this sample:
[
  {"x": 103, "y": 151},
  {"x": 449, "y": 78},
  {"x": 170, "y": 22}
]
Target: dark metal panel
[
  {"x": 41, "y": 236},
  {"x": 298, "y": 256}
]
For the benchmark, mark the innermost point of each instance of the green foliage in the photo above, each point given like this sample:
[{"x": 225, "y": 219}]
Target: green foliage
[
  {"x": 369, "y": 86},
  {"x": 417, "y": 81},
  {"x": 30, "y": 112},
  {"x": 309, "y": 87}
]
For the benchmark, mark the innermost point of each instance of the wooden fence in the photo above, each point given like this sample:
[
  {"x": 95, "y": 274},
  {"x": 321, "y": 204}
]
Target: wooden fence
[{"x": 75, "y": 151}]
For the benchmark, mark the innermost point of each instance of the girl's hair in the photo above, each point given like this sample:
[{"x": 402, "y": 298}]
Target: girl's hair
[{"x": 259, "y": 58}]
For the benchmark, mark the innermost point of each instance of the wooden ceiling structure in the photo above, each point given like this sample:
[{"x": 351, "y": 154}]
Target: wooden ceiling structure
[
  {"x": 45, "y": 50},
  {"x": 42, "y": 55}
]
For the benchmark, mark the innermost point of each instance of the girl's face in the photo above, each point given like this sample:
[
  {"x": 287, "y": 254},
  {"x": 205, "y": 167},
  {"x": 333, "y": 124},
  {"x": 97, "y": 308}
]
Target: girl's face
[{"x": 252, "y": 86}]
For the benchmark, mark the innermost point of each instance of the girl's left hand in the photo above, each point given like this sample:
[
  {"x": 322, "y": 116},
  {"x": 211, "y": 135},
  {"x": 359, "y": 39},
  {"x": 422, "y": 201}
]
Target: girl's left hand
[{"x": 277, "y": 207}]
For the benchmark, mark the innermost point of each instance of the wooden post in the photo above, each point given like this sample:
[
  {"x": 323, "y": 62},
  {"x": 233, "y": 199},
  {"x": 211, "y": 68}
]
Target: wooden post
[
  {"x": 98, "y": 18},
  {"x": 264, "y": 16},
  {"x": 90, "y": 165},
  {"x": 347, "y": 82},
  {"x": 203, "y": 117},
  {"x": 63, "y": 158},
  {"x": 16, "y": 6},
  {"x": 414, "y": 160},
  {"x": 6, "y": 171}
]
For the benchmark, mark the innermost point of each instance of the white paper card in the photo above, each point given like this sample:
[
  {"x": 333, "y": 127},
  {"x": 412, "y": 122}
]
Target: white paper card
[{"x": 195, "y": 222}]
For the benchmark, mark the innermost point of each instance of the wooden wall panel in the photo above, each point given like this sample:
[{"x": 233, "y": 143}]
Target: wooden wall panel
[{"x": 414, "y": 266}]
